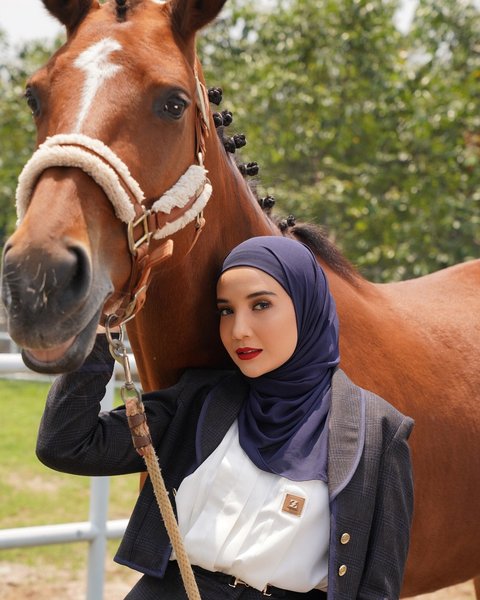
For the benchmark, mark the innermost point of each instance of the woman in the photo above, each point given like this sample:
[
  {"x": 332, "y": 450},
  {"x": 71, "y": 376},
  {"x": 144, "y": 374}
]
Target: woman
[{"x": 290, "y": 480}]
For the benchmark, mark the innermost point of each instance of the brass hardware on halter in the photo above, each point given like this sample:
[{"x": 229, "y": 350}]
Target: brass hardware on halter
[
  {"x": 118, "y": 349},
  {"x": 136, "y": 304},
  {"x": 129, "y": 392},
  {"x": 140, "y": 280},
  {"x": 200, "y": 221},
  {"x": 145, "y": 238}
]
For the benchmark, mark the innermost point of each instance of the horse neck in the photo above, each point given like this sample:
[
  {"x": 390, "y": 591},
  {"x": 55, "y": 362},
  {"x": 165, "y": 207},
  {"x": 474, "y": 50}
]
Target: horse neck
[
  {"x": 376, "y": 338},
  {"x": 178, "y": 326}
]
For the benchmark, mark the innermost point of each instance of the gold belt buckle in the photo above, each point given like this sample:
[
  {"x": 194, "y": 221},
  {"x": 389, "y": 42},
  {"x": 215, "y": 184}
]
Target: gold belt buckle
[{"x": 237, "y": 581}]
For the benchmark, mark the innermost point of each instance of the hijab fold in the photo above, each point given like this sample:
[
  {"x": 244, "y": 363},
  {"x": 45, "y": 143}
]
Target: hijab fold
[{"x": 283, "y": 422}]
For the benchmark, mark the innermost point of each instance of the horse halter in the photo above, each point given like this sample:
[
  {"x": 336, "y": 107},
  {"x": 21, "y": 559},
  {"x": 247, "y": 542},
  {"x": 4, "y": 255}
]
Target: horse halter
[{"x": 171, "y": 212}]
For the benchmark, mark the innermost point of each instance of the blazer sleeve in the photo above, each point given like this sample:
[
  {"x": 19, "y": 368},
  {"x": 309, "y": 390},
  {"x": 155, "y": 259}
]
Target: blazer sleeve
[
  {"x": 390, "y": 534},
  {"x": 76, "y": 437}
]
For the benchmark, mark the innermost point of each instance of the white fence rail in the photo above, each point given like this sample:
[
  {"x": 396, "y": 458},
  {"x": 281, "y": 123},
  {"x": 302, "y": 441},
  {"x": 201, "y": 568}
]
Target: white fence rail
[{"x": 96, "y": 531}]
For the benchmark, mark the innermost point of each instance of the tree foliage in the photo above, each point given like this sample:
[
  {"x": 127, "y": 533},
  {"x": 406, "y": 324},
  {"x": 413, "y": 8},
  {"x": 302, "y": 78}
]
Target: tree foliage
[
  {"x": 17, "y": 130},
  {"x": 370, "y": 132},
  {"x": 359, "y": 127}
]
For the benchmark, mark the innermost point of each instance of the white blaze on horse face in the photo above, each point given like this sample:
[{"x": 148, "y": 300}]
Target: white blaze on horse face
[{"x": 94, "y": 61}]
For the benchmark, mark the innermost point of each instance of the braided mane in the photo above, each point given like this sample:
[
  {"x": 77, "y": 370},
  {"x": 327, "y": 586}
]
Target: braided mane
[{"x": 313, "y": 236}]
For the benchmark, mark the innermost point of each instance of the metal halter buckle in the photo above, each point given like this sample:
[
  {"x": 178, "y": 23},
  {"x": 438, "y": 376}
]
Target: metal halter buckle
[{"x": 145, "y": 238}]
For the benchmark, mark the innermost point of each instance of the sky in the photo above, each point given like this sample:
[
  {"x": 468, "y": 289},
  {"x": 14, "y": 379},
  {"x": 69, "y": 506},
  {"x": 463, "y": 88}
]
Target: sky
[{"x": 24, "y": 20}]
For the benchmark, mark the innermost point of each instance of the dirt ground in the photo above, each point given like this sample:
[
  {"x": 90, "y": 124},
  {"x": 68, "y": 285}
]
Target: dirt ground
[
  {"x": 464, "y": 591},
  {"x": 19, "y": 582}
]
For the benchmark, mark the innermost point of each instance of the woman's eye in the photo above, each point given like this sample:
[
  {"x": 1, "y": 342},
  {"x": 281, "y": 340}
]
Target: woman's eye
[
  {"x": 32, "y": 101},
  {"x": 175, "y": 107},
  {"x": 223, "y": 312},
  {"x": 261, "y": 305}
]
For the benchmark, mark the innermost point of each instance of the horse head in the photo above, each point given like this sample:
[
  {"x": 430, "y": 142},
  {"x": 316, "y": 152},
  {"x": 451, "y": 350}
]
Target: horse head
[{"x": 122, "y": 128}]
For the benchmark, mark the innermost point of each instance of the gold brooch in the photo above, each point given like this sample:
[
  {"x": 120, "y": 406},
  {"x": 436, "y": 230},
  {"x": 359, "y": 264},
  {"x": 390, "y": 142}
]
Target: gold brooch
[{"x": 293, "y": 504}]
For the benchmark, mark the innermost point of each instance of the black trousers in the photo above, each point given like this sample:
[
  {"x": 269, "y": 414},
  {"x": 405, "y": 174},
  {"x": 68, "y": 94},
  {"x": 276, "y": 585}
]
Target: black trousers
[{"x": 211, "y": 587}]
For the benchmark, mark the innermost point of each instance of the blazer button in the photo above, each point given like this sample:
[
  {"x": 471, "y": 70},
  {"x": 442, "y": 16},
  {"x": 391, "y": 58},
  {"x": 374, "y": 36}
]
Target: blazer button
[
  {"x": 345, "y": 538},
  {"x": 342, "y": 570}
]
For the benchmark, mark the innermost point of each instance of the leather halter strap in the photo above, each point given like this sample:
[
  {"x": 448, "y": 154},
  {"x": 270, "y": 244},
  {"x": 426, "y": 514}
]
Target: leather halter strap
[{"x": 171, "y": 212}]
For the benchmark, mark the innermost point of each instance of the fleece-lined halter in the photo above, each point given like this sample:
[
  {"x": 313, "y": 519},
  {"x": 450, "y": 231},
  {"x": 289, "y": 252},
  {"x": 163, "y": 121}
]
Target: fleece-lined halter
[{"x": 171, "y": 212}]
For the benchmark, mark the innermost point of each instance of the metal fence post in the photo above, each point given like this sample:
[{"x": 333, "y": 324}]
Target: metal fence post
[
  {"x": 99, "y": 493},
  {"x": 97, "y": 530}
]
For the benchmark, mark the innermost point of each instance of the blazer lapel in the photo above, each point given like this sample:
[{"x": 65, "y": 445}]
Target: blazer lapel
[
  {"x": 346, "y": 435},
  {"x": 220, "y": 411}
]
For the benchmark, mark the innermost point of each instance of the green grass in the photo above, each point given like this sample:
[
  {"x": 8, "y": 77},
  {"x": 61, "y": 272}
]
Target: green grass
[{"x": 32, "y": 494}]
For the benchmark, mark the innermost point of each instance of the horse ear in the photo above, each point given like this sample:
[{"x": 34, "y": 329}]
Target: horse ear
[
  {"x": 188, "y": 16},
  {"x": 70, "y": 12}
]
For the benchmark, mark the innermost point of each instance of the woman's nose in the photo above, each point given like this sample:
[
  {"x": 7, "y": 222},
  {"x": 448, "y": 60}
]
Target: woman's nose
[{"x": 241, "y": 328}]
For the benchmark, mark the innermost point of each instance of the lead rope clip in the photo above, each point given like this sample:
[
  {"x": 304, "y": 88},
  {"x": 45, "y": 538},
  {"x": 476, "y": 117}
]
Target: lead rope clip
[{"x": 142, "y": 441}]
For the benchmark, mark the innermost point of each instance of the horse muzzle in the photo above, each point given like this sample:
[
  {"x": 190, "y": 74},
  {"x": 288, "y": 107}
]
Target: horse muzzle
[{"x": 52, "y": 304}]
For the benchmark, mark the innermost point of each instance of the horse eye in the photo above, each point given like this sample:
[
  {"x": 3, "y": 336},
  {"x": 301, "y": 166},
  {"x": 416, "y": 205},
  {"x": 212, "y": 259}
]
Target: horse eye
[
  {"x": 175, "y": 107},
  {"x": 171, "y": 105},
  {"x": 32, "y": 101}
]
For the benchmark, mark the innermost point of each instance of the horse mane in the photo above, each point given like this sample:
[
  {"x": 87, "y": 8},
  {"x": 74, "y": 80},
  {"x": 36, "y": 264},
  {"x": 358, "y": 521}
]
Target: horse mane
[
  {"x": 317, "y": 240},
  {"x": 313, "y": 236},
  {"x": 122, "y": 6}
]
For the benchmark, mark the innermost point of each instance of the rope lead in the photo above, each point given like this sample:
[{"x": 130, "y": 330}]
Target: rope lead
[{"x": 142, "y": 441}]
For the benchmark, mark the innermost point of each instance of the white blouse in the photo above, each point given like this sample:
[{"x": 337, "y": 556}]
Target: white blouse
[{"x": 260, "y": 527}]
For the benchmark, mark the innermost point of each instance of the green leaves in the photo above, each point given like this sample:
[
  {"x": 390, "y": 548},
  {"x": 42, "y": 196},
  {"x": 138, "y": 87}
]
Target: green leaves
[
  {"x": 359, "y": 127},
  {"x": 17, "y": 130},
  {"x": 373, "y": 133}
]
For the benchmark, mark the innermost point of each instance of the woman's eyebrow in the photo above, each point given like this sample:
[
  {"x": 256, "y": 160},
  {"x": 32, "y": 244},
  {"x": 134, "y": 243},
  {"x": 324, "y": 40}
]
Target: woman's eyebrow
[
  {"x": 261, "y": 293},
  {"x": 249, "y": 297}
]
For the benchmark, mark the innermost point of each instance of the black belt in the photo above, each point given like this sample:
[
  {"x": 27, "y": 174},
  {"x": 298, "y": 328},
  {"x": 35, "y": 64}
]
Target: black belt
[{"x": 232, "y": 581}]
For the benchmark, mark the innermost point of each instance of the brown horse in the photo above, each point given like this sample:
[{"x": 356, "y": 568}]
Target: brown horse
[{"x": 121, "y": 92}]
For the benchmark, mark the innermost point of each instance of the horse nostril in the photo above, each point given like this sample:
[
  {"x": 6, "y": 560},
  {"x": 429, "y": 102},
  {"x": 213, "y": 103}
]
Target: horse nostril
[
  {"x": 78, "y": 282},
  {"x": 7, "y": 248},
  {"x": 6, "y": 277},
  {"x": 35, "y": 282}
]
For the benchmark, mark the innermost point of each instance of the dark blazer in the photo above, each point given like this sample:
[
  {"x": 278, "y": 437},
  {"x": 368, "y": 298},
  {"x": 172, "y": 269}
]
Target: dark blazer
[{"x": 369, "y": 470}]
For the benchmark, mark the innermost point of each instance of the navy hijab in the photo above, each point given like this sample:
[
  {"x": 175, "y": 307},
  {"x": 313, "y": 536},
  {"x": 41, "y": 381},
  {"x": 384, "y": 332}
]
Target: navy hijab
[{"x": 283, "y": 423}]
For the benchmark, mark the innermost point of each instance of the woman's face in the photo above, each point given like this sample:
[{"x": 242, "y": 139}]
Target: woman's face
[{"x": 257, "y": 320}]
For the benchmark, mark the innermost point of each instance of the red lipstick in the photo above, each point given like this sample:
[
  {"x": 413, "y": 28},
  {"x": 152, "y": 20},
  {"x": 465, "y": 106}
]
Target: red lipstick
[{"x": 247, "y": 353}]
